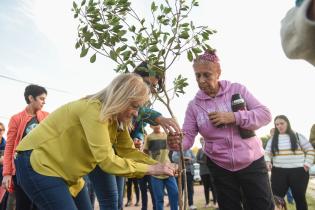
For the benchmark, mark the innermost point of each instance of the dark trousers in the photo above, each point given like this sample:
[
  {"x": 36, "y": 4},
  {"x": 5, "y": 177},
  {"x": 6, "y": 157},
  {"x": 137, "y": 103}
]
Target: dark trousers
[
  {"x": 22, "y": 200},
  {"x": 252, "y": 180},
  {"x": 129, "y": 190},
  {"x": 190, "y": 187},
  {"x": 145, "y": 184},
  {"x": 295, "y": 178},
  {"x": 207, "y": 181}
]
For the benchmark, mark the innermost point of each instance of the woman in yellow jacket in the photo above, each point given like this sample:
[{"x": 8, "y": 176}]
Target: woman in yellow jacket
[{"x": 76, "y": 137}]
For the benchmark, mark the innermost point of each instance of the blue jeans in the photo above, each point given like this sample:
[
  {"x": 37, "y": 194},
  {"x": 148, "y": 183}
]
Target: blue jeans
[
  {"x": 145, "y": 183},
  {"x": 158, "y": 192},
  {"x": 90, "y": 189},
  {"x": 120, "y": 180},
  {"x": 47, "y": 192},
  {"x": 107, "y": 189},
  {"x": 290, "y": 196}
]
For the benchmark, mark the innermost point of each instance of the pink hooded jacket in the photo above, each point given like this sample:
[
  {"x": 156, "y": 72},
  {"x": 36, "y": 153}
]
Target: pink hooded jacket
[{"x": 224, "y": 146}]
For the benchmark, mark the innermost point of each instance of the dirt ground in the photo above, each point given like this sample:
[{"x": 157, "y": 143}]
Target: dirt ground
[{"x": 199, "y": 199}]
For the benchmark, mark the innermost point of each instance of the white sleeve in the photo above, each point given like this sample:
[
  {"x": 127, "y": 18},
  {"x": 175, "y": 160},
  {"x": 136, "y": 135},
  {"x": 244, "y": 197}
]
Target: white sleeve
[{"x": 268, "y": 154}]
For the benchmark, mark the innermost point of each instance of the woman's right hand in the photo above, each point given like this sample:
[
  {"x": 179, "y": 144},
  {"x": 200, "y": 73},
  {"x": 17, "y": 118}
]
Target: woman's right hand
[
  {"x": 269, "y": 166},
  {"x": 6, "y": 181},
  {"x": 168, "y": 169}
]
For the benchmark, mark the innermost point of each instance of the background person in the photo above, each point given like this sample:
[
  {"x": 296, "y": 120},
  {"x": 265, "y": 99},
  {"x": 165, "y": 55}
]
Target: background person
[
  {"x": 206, "y": 177},
  {"x": 236, "y": 164},
  {"x": 289, "y": 155},
  {"x": 20, "y": 125},
  {"x": 155, "y": 146},
  {"x": 95, "y": 126},
  {"x": 189, "y": 159},
  {"x": 3, "y": 202}
]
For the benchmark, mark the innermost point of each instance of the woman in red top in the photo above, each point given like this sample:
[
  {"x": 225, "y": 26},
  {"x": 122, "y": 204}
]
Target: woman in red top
[{"x": 19, "y": 126}]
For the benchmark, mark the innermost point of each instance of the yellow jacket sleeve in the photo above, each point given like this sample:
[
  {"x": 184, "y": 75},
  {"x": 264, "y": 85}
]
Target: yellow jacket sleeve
[
  {"x": 124, "y": 147},
  {"x": 98, "y": 139}
]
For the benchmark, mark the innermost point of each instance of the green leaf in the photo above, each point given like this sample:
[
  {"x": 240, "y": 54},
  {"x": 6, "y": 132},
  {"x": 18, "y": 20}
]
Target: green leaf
[
  {"x": 83, "y": 2},
  {"x": 167, "y": 10},
  {"x": 84, "y": 51},
  {"x": 113, "y": 55},
  {"x": 132, "y": 29},
  {"x": 184, "y": 35},
  {"x": 133, "y": 48},
  {"x": 93, "y": 58},
  {"x": 196, "y": 50},
  {"x": 190, "y": 56},
  {"x": 77, "y": 45},
  {"x": 171, "y": 40},
  {"x": 153, "y": 7},
  {"x": 184, "y": 25},
  {"x": 75, "y": 6},
  {"x": 126, "y": 55},
  {"x": 99, "y": 27},
  {"x": 153, "y": 49},
  {"x": 116, "y": 28},
  {"x": 122, "y": 48}
]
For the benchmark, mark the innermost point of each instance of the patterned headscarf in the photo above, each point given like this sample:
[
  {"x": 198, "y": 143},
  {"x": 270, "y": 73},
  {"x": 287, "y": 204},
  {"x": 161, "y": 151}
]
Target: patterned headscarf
[{"x": 209, "y": 56}]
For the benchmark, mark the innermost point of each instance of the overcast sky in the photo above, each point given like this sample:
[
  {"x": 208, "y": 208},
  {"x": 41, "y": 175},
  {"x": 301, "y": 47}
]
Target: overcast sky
[{"x": 37, "y": 39}]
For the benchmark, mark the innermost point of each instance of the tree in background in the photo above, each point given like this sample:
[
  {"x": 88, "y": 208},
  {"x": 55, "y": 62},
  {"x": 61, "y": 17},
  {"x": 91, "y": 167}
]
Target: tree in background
[
  {"x": 265, "y": 139},
  {"x": 115, "y": 30}
]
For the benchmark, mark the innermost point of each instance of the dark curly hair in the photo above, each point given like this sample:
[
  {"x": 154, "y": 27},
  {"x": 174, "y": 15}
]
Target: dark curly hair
[
  {"x": 144, "y": 71},
  {"x": 33, "y": 90}
]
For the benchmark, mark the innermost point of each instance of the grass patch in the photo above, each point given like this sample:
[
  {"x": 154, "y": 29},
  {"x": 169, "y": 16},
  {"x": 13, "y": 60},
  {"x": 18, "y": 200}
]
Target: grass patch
[{"x": 310, "y": 203}]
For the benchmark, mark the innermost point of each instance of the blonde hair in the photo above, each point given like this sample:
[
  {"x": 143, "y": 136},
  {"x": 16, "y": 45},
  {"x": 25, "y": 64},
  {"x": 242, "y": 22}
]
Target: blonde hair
[{"x": 119, "y": 94}]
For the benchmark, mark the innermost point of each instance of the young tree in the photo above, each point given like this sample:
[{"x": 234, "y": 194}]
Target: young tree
[{"x": 114, "y": 29}]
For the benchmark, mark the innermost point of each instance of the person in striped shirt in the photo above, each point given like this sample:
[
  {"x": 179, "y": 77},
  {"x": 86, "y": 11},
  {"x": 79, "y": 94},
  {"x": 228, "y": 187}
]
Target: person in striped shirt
[{"x": 289, "y": 155}]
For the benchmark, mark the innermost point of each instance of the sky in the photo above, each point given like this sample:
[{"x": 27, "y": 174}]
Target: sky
[{"x": 37, "y": 39}]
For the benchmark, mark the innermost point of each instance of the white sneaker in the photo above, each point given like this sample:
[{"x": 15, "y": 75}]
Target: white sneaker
[{"x": 192, "y": 207}]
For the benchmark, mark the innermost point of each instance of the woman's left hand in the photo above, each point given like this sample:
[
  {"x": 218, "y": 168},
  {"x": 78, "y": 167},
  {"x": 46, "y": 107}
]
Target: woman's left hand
[
  {"x": 306, "y": 168},
  {"x": 168, "y": 124},
  {"x": 221, "y": 118}
]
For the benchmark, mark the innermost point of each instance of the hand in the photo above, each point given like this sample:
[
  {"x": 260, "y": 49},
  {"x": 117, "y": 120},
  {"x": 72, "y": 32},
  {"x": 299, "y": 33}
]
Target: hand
[
  {"x": 138, "y": 143},
  {"x": 168, "y": 124},
  {"x": 221, "y": 118},
  {"x": 306, "y": 168},
  {"x": 173, "y": 141},
  {"x": 168, "y": 169},
  {"x": 269, "y": 166},
  {"x": 6, "y": 181}
]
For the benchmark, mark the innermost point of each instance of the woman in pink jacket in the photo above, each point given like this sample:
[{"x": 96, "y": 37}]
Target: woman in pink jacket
[
  {"x": 19, "y": 126},
  {"x": 235, "y": 154}
]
